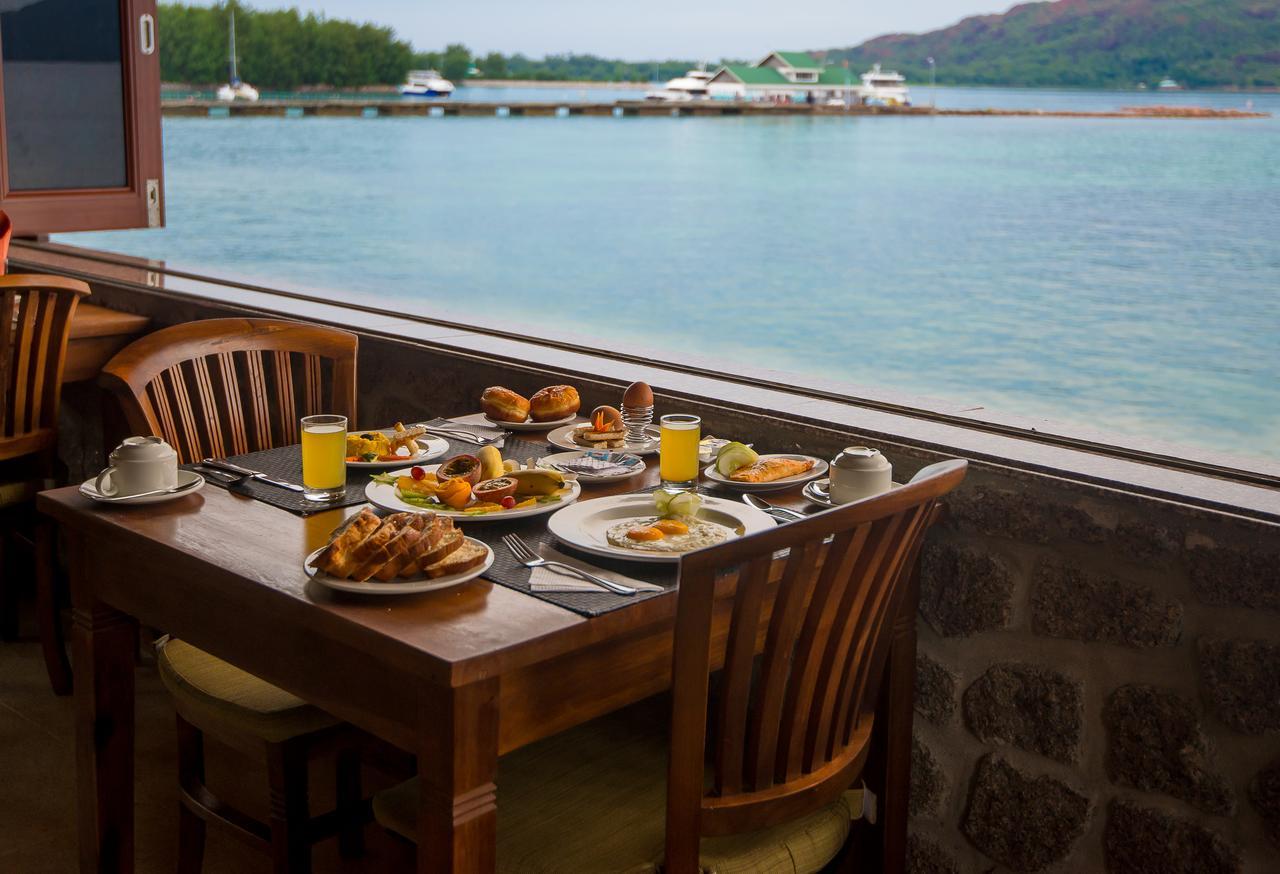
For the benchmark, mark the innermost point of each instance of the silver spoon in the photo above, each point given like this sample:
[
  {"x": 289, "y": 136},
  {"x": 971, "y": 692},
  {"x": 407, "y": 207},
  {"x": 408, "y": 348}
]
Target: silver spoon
[
  {"x": 782, "y": 513},
  {"x": 113, "y": 498}
]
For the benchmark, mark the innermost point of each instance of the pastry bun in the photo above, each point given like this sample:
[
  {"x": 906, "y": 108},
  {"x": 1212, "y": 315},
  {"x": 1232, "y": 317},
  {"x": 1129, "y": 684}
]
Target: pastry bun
[
  {"x": 554, "y": 402},
  {"x": 503, "y": 405}
]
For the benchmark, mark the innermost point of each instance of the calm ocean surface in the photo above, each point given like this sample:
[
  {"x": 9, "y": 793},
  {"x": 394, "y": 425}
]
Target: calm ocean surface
[{"x": 1119, "y": 275}]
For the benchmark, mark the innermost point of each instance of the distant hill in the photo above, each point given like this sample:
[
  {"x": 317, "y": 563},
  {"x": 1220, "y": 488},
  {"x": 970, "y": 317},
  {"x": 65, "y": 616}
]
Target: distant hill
[{"x": 1093, "y": 43}]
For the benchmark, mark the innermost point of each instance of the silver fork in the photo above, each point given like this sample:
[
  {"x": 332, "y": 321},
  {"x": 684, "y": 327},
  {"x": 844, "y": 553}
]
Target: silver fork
[
  {"x": 464, "y": 436},
  {"x": 527, "y": 557}
]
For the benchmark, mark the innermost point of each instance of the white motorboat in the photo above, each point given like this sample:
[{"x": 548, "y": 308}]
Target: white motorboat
[
  {"x": 884, "y": 88},
  {"x": 1169, "y": 85},
  {"x": 235, "y": 89},
  {"x": 426, "y": 83},
  {"x": 691, "y": 86}
]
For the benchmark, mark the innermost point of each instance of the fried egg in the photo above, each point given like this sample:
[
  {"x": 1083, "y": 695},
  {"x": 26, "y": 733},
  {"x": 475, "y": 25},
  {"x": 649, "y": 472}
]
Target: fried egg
[{"x": 657, "y": 534}]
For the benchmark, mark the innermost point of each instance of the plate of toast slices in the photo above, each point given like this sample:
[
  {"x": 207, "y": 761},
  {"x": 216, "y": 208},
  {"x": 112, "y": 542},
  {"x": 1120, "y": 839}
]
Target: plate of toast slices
[
  {"x": 584, "y": 436},
  {"x": 769, "y": 472},
  {"x": 399, "y": 554}
]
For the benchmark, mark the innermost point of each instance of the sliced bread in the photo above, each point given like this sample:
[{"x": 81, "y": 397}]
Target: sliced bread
[
  {"x": 336, "y": 558},
  {"x": 399, "y": 546},
  {"x": 467, "y": 555}
]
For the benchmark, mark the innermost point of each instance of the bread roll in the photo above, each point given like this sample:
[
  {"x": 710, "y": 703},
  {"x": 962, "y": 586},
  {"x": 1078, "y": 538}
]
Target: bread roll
[
  {"x": 503, "y": 405},
  {"x": 554, "y": 402}
]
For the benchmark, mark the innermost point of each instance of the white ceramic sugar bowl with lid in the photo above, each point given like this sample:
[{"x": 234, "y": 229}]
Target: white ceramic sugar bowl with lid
[
  {"x": 139, "y": 464},
  {"x": 859, "y": 472}
]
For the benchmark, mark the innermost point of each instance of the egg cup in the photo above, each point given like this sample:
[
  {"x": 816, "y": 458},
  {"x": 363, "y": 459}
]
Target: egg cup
[{"x": 636, "y": 420}]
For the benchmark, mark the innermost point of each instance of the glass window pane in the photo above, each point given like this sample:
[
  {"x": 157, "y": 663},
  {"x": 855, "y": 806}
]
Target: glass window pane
[{"x": 63, "y": 93}]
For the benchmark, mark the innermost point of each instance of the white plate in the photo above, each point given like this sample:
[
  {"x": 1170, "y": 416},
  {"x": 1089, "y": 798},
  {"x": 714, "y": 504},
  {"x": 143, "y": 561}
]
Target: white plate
[
  {"x": 818, "y": 469},
  {"x": 819, "y": 490},
  {"x": 413, "y": 585},
  {"x": 189, "y": 482},
  {"x": 550, "y": 460},
  {"x": 384, "y": 496},
  {"x": 583, "y": 526},
  {"x": 530, "y": 425},
  {"x": 560, "y": 437},
  {"x": 435, "y": 447}
]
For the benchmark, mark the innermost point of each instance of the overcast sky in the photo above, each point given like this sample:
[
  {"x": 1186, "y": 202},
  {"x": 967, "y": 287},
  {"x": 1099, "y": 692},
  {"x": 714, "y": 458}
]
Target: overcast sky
[{"x": 651, "y": 29}]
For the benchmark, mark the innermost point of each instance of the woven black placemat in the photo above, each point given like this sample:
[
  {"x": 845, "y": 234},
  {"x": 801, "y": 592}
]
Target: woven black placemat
[
  {"x": 285, "y": 463},
  {"x": 533, "y": 529}
]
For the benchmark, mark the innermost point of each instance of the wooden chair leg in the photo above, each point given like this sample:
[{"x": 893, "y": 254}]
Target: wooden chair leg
[
  {"x": 191, "y": 826},
  {"x": 290, "y": 820},
  {"x": 350, "y": 798},
  {"x": 48, "y": 617}
]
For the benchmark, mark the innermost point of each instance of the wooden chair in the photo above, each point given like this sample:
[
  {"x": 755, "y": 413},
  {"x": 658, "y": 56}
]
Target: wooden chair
[
  {"x": 224, "y": 387},
  {"x": 35, "y": 321},
  {"x": 757, "y": 775}
]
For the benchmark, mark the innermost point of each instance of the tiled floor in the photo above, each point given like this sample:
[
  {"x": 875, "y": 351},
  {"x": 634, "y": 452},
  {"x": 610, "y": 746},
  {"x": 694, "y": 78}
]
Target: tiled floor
[{"x": 37, "y": 784}]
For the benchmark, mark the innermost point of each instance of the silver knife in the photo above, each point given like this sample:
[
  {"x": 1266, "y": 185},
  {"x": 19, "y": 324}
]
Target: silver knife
[{"x": 250, "y": 474}]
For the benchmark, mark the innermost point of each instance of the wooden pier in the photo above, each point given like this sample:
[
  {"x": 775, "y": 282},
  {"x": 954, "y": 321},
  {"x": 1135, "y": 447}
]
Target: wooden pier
[{"x": 395, "y": 108}]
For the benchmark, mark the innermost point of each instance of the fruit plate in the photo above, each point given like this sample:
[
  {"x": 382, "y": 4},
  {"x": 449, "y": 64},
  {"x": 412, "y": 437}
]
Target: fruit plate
[
  {"x": 563, "y": 438},
  {"x": 434, "y": 448},
  {"x": 384, "y": 497},
  {"x": 583, "y": 526},
  {"x": 819, "y": 468},
  {"x": 530, "y": 425},
  {"x": 418, "y": 583}
]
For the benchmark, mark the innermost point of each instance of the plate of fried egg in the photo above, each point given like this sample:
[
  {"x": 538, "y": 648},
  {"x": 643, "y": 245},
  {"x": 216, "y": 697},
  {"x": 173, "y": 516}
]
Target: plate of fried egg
[{"x": 654, "y": 527}]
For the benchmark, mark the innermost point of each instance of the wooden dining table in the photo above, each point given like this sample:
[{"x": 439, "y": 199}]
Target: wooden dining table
[{"x": 457, "y": 677}]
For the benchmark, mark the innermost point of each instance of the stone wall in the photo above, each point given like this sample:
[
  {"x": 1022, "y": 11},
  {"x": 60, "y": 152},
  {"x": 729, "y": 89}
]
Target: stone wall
[
  {"x": 1099, "y": 672},
  {"x": 1098, "y": 685}
]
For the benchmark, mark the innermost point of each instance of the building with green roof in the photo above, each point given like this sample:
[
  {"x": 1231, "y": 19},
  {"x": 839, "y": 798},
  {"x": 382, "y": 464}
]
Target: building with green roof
[{"x": 790, "y": 76}]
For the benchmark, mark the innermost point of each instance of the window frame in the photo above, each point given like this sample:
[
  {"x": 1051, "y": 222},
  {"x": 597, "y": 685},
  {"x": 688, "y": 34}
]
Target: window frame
[{"x": 48, "y": 211}]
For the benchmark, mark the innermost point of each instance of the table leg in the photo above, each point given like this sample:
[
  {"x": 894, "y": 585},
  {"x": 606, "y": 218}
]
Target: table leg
[
  {"x": 457, "y": 769},
  {"x": 104, "y": 650}
]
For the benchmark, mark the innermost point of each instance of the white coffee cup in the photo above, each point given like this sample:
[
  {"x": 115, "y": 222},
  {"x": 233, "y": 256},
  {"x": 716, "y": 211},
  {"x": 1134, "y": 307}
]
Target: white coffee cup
[
  {"x": 139, "y": 464},
  {"x": 859, "y": 472}
]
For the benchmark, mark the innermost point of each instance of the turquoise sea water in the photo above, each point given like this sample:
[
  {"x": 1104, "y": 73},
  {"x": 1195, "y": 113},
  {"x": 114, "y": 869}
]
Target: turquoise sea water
[{"x": 1115, "y": 275}]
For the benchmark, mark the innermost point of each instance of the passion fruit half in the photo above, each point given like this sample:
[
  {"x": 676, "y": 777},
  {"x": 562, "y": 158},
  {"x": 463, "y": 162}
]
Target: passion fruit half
[
  {"x": 463, "y": 467},
  {"x": 494, "y": 490}
]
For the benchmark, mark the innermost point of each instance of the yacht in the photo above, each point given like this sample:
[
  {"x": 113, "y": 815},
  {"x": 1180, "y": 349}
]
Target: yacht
[
  {"x": 235, "y": 89},
  {"x": 691, "y": 86},
  {"x": 426, "y": 83},
  {"x": 1169, "y": 85},
  {"x": 884, "y": 88}
]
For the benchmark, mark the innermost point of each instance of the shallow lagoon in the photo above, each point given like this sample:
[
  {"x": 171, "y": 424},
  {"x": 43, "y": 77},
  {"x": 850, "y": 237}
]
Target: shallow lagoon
[{"x": 1119, "y": 275}]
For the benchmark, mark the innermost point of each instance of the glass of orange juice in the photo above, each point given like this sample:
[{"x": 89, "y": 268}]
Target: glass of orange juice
[
  {"x": 324, "y": 457},
  {"x": 678, "y": 451}
]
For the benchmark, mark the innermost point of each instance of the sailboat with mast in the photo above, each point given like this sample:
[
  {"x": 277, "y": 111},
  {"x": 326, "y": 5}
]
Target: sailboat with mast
[{"x": 235, "y": 89}]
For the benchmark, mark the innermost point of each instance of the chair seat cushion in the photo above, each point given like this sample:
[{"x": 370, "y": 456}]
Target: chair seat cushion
[
  {"x": 220, "y": 698},
  {"x": 593, "y": 799}
]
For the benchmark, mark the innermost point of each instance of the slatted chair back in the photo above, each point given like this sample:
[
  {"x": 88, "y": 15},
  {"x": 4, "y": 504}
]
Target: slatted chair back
[
  {"x": 35, "y": 321},
  {"x": 221, "y": 387},
  {"x": 789, "y": 729}
]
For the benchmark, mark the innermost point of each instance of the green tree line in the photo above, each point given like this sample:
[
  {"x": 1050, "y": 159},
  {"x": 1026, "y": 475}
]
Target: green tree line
[
  {"x": 277, "y": 49},
  {"x": 285, "y": 49}
]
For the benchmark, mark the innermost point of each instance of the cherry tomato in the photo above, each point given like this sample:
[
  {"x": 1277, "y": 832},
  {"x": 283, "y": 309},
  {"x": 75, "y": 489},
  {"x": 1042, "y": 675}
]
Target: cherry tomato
[
  {"x": 417, "y": 473},
  {"x": 508, "y": 502}
]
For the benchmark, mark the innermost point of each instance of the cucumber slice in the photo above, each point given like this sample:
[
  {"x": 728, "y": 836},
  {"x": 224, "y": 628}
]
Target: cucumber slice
[{"x": 734, "y": 456}]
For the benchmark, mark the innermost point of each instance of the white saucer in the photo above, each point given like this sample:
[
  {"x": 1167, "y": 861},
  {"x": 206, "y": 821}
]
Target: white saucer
[
  {"x": 189, "y": 482},
  {"x": 818, "y": 491},
  {"x": 561, "y": 437},
  {"x": 530, "y": 425}
]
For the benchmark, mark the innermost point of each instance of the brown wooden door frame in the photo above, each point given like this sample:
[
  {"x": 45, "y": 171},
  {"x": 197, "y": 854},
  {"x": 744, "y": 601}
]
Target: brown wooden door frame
[{"x": 88, "y": 209}]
